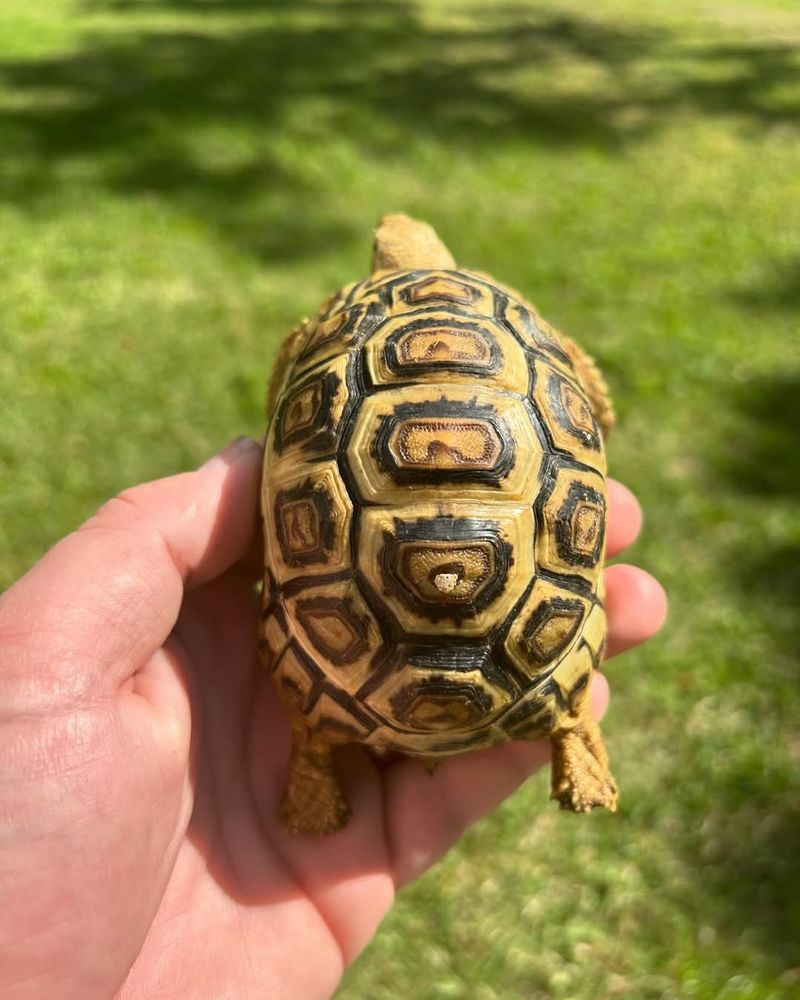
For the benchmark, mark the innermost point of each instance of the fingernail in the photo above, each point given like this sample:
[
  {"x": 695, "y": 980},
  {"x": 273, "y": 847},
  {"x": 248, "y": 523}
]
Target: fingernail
[{"x": 234, "y": 452}]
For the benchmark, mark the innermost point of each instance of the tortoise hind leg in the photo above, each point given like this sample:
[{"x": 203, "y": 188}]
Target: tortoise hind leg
[
  {"x": 313, "y": 801},
  {"x": 594, "y": 384},
  {"x": 581, "y": 778}
]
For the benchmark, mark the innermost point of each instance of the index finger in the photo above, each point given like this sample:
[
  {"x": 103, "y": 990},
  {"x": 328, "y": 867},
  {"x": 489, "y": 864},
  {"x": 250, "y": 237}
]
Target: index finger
[{"x": 624, "y": 518}]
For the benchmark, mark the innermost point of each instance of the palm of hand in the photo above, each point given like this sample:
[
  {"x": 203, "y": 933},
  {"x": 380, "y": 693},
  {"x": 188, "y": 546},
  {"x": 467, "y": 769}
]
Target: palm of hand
[
  {"x": 246, "y": 902},
  {"x": 239, "y": 906},
  {"x": 143, "y": 753}
]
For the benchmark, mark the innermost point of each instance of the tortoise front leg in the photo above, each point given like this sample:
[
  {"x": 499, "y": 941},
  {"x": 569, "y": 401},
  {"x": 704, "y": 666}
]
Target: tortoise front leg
[
  {"x": 581, "y": 777},
  {"x": 313, "y": 801}
]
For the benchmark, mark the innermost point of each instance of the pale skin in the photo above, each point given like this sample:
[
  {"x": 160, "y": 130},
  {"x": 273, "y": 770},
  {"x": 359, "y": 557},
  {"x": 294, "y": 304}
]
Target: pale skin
[{"x": 143, "y": 754}]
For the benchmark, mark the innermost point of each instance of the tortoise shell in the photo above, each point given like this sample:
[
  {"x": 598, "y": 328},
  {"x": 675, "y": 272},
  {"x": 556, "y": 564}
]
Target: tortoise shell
[{"x": 435, "y": 509}]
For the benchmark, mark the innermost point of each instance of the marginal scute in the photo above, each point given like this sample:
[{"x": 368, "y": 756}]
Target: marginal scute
[
  {"x": 274, "y": 635},
  {"x": 452, "y": 706},
  {"x": 531, "y": 718},
  {"x": 537, "y": 334},
  {"x": 330, "y": 329},
  {"x": 338, "y": 300},
  {"x": 594, "y": 633},
  {"x": 338, "y": 333},
  {"x": 411, "y": 291},
  {"x": 440, "y": 288},
  {"x": 297, "y": 677},
  {"x": 572, "y": 676},
  {"x": 438, "y": 692},
  {"x": 338, "y": 724}
]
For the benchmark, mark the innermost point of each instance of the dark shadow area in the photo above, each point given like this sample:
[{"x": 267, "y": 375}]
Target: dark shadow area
[
  {"x": 780, "y": 289},
  {"x": 761, "y": 453},
  {"x": 748, "y": 882},
  {"x": 133, "y": 110},
  {"x": 760, "y": 459},
  {"x": 746, "y": 858},
  {"x": 769, "y": 578}
]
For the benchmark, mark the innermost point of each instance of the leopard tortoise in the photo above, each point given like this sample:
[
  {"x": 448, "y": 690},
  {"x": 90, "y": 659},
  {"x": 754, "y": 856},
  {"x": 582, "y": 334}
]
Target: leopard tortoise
[{"x": 434, "y": 508}]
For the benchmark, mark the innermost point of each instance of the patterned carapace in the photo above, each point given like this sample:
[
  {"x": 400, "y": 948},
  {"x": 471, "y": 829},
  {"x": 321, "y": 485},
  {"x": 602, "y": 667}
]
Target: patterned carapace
[{"x": 435, "y": 514}]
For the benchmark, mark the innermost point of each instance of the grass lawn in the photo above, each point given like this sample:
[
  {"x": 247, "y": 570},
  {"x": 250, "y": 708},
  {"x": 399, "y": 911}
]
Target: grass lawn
[{"x": 181, "y": 179}]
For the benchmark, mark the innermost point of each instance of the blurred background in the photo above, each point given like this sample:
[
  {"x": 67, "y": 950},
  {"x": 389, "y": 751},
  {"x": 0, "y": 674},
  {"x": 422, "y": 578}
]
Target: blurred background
[{"x": 180, "y": 180}]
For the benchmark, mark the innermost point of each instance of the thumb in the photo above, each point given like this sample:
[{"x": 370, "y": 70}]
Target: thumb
[{"x": 104, "y": 598}]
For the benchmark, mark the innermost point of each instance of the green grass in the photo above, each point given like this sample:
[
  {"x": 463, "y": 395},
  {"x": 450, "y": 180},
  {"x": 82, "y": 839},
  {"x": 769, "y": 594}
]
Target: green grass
[{"x": 181, "y": 179}]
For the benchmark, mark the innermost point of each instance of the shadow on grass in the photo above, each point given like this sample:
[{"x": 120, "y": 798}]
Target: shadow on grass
[
  {"x": 229, "y": 109},
  {"x": 779, "y": 291},
  {"x": 760, "y": 455},
  {"x": 746, "y": 860},
  {"x": 748, "y": 883},
  {"x": 758, "y": 461}
]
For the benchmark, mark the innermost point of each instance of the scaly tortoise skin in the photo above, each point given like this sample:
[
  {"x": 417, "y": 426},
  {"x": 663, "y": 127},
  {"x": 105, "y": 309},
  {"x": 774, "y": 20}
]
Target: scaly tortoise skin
[{"x": 434, "y": 506}]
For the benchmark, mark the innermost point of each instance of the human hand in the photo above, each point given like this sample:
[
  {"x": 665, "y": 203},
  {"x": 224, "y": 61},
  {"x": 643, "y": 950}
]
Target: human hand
[{"x": 143, "y": 753}]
